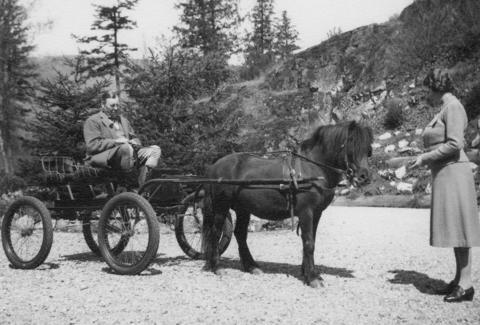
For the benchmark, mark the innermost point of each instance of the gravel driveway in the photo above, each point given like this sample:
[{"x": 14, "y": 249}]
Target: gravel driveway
[{"x": 376, "y": 262}]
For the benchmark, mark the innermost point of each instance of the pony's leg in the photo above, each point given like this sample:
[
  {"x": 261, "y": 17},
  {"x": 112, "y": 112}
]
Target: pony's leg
[
  {"x": 211, "y": 232},
  {"x": 241, "y": 232},
  {"x": 307, "y": 224},
  {"x": 316, "y": 220}
]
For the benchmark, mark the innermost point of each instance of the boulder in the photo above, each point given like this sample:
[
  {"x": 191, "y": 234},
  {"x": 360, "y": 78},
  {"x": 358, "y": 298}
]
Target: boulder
[
  {"x": 402, "y": 143},
  {"x": 401, "y": 172},
  {"x": 405, "y": 188},
  {"x": 385, "y": 136},
  {"x": 386, "y": 174},
  {"x": 390, "y": 148}
]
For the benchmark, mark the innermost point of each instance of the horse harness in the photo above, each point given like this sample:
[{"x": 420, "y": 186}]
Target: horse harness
[{"x": 294, "y": 182}]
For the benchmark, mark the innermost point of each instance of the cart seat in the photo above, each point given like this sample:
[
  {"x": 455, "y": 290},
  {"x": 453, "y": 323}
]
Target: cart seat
[{"x": 59, "y": 170}]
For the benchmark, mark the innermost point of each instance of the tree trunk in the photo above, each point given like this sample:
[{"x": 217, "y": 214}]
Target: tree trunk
[{"x": 4, "y": 163}]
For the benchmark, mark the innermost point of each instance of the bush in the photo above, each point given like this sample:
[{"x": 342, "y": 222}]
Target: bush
[
  {"x": 394, "y": 117},
  {"x": 472, "y": 102},
  {"x": 10, "y": 183}
]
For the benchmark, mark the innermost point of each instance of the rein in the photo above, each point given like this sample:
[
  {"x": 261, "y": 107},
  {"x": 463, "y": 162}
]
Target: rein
[
  {"x": 348, "y": 172},
  {"x": 319, "y": 164}
]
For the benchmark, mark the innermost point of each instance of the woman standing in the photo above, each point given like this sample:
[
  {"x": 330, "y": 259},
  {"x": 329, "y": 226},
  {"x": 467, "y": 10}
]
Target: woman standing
[{"x": 454, "y": 220}]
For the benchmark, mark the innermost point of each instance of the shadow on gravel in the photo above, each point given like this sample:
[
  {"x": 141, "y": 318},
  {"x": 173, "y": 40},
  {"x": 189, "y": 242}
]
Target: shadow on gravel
[
  {"x": 169, "y": 261},
  {"x": 289, "y": 269},
  {"x": 420, "y": 281},
  {"x": 82, "y": 257},
  {"x": 149, "y": 271},
  {"x": 42, "y": 267},
  {"x": 156, "y": 262}
]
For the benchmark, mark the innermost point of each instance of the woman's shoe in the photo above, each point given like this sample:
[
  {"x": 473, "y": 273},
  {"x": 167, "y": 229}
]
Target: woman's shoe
[
  {"x": 446, "y": 289},
  {"x": 459, "y": 294}
]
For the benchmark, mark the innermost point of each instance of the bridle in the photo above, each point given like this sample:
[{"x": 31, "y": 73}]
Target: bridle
[{"x": 348, "y": 171}]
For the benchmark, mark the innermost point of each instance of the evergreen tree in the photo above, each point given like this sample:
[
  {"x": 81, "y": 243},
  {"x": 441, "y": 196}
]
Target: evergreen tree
[
  {"x": 260, "y": 41},
  {"x": 15, "y": 73},
  {"x": 190, "y": 135},
  {"x": 108, "y": 54},
  {"x": 285, "y": 37},
  {"x": 210, "y": 27},
  {"x": 63, "y": 105}
]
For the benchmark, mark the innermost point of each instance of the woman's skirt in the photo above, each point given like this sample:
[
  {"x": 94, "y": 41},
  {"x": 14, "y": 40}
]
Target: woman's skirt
[{"x": 454, "y": 220}]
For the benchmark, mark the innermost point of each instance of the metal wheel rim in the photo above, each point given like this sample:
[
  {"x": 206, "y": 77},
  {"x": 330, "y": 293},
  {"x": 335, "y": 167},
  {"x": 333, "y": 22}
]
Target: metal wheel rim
[
  {"x": 26, "y": 233},
  {"x": 128, "y": 222}
]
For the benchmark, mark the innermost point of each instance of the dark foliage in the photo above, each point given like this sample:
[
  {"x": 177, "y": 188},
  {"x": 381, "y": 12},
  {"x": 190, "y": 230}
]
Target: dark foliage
[
  {"x": 394, "y": 117},
  {"x": 209, "y": 28},
  {"x": 16, "y": 73},
  {"x": 10, "y": 183},
  {"x": 191, "y": 134},
  {"x": 472, "y": 102},
  {"x": 259, "y": 43},
  {"x": 63, "y": 105}
]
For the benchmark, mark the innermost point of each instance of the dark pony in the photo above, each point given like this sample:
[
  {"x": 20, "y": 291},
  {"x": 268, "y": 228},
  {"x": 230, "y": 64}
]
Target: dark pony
[{"x": 332, "y": 152}]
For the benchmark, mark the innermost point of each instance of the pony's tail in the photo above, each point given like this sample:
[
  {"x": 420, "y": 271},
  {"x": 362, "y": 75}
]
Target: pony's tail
[{"x": 209, "y": 231}]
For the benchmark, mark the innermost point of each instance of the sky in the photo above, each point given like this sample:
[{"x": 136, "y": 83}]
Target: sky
[{"x": 313, "y": 19}]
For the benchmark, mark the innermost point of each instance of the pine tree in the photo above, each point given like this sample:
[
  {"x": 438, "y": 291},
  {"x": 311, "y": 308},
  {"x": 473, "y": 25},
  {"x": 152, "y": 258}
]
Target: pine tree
[
  {"x": 210, "y": 27},
  {"x": 63, "y": 105},
  {"x": 190, "y": 135},
  {"x": 108, "y": 54},
  {"x": 285, "y": 37},
  {"x": 260, "y": 41},
  {"x": 15, "y": 74}
]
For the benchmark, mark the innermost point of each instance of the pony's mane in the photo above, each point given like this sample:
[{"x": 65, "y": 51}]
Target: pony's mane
[{"x": 332, "y": 138}]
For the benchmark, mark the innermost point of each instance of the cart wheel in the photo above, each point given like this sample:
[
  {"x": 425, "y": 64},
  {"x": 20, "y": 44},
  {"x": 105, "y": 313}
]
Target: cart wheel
[
  {"x": 128, "y": 215},
  {"x": 27, "y": 233},
  {"x": 90, "y": 233},
  {"x": 188, "y": 230}
]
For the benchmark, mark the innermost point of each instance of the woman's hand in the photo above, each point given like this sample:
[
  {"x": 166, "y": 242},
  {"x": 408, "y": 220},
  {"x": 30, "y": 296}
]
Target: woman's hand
[{"x": 418, "y": 162}]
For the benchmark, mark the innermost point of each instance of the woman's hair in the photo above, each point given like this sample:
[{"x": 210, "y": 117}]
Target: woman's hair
[{"x": 439, "y": 80}]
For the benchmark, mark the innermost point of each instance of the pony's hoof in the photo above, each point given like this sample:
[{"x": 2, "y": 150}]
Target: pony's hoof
[
  {"x": 317, "y": 283},
  {"x": 256, "y": 271},
  {"x": 208, "y": 268},
  {"x": 220, "y": 272}
]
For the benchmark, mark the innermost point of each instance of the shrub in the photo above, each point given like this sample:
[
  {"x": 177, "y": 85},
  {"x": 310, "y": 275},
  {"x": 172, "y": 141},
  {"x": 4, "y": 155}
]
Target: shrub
[
  {"x": 394, "y": 117},
  {"x": 472, "y": 102},
  {"x": 10, "y": 183}
]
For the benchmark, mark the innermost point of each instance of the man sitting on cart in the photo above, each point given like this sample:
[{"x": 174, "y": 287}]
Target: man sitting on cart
[{"x": 111, "y": 142}]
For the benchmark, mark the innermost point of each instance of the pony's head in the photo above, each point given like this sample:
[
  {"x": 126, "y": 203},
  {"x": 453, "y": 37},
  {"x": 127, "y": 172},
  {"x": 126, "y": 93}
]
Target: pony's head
[{"x": 345, "y": 146}]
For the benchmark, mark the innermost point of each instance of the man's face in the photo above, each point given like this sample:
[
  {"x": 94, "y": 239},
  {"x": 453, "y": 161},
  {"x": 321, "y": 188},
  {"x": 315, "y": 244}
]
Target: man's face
[{"x": 111, "y": 107}]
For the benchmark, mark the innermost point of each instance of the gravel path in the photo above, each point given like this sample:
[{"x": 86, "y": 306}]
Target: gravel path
[{"x": 376, "y": 262}]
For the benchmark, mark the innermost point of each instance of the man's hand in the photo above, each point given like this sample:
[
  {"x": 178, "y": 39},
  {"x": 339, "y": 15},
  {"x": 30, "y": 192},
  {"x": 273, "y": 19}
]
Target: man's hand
[{"x": 121, "y": 140}]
